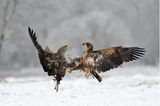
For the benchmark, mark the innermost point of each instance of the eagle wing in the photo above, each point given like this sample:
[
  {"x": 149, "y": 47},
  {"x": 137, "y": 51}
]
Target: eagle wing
[
  {"x": 115, "y": 56},
  {"x": 45, "y": 56},
  {"x": 34, "y": 40}
]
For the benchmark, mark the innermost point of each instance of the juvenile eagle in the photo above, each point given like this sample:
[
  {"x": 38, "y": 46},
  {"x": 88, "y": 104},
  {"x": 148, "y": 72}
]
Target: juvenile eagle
[
  {"x": 54, "y": 64},
  {"x": 93, "y": 62}
]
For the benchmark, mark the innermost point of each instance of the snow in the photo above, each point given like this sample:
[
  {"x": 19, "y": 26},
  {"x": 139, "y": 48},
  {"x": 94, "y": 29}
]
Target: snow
[{"x": 136, "y": 89}]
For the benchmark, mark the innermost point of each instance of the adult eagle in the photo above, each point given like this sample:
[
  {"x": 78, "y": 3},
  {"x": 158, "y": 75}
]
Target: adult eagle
[
  {"x": 93, "y": 62},
  {"x": 54, "y": 64}
]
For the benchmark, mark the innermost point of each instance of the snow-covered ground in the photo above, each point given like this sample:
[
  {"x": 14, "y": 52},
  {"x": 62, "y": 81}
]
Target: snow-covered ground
[{"x": 136, "y": 89}]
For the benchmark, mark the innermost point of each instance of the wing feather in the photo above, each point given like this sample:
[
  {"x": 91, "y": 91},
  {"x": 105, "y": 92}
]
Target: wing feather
[
  {"x": 132, "y": 53},
  {"x": 44, "y": 55},
  {"x": 125, "y": 53},
  {"x": 109, "y": 51},
  {"x": 34, "y": 39},
  {"x": 115, "y": 56}
]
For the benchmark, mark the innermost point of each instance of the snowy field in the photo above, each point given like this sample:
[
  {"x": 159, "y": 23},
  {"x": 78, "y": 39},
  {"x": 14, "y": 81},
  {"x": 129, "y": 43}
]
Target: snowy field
[{"x": 136, "y": 86}]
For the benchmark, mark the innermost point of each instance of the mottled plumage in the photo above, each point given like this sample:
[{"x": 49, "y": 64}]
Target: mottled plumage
[
  {"x": 54, "y": 64},
  {"x": 93, "y": 62}
]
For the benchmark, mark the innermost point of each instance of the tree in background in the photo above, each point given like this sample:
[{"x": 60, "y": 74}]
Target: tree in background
[{"x": 8, "y": 12}]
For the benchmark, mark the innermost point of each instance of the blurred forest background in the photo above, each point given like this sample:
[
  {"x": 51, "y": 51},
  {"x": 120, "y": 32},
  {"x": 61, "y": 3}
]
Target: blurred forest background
[{"x": 105, "y": 23}]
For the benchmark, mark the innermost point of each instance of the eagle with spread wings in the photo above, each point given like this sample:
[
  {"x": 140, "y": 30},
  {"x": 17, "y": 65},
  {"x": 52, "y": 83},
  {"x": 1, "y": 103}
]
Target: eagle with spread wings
[
  {"x": 54, "y": 64},
  {"x": 93, "y": 62}
]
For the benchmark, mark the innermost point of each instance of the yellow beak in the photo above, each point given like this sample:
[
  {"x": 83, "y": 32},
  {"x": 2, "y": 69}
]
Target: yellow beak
[{"x": 68, "y": 46}]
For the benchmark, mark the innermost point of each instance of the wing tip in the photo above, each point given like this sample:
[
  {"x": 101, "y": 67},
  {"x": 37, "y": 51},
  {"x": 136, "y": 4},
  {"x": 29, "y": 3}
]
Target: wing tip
[
  {"x": 31, "y": 32},
  {"x": 29, "y": 27},
  {"x": 137, "y": 53},
  {"x": 138, "y": 49}
]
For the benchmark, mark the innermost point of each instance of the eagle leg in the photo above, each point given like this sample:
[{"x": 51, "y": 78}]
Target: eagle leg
[
  {"x": 97, "y": 76},
  {"x": 70, "y": 66},
  {"x": 57, "y": 79},
  {"x": 57, "y": 85},
  {"x": 77, "y": 67}
]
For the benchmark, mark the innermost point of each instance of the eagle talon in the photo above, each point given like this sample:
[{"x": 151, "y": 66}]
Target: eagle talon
[{"x": 69, "y": 70}]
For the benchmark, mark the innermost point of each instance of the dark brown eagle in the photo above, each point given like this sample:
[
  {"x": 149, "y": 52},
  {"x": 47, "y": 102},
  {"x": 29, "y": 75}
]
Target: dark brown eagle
[
  {"x": 94, "y": 62},
  {"x": 54, "y": 64}
]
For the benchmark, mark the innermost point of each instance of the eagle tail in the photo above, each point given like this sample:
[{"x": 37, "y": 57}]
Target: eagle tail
[
  {"x": 97, "y": 76},
  {"x": 34, "y": 39}
]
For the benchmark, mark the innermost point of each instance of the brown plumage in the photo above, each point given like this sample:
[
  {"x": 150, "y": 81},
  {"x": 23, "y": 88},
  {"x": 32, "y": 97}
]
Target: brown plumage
[
  {"x": 54, "y": 64},
  {"x": 93, "y": 62}
]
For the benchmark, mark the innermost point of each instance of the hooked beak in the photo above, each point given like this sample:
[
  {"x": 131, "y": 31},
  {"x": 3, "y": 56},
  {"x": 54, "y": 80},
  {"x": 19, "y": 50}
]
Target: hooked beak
[
  {"x": 68, "y": 46},
  {"x": 83, "y": 44}
]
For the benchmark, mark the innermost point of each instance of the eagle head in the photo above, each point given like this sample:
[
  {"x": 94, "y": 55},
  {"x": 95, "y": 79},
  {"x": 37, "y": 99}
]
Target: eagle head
[
  {"x": 63, "y": 49},
  {"x": 88, "y": 47}
]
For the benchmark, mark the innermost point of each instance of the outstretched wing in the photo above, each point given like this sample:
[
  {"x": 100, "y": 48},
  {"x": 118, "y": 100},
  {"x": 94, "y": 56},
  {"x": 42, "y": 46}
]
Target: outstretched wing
[
  {"x": 113, "y": 57},
  {"x": 125, "y": 53},
  {"x": 34, "y": 39},
  {"x": 45, "y": 56}
]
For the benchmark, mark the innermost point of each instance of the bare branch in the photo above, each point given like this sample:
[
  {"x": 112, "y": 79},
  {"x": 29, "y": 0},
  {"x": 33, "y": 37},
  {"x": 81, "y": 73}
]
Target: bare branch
[{"x": 9, "y": 11}]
